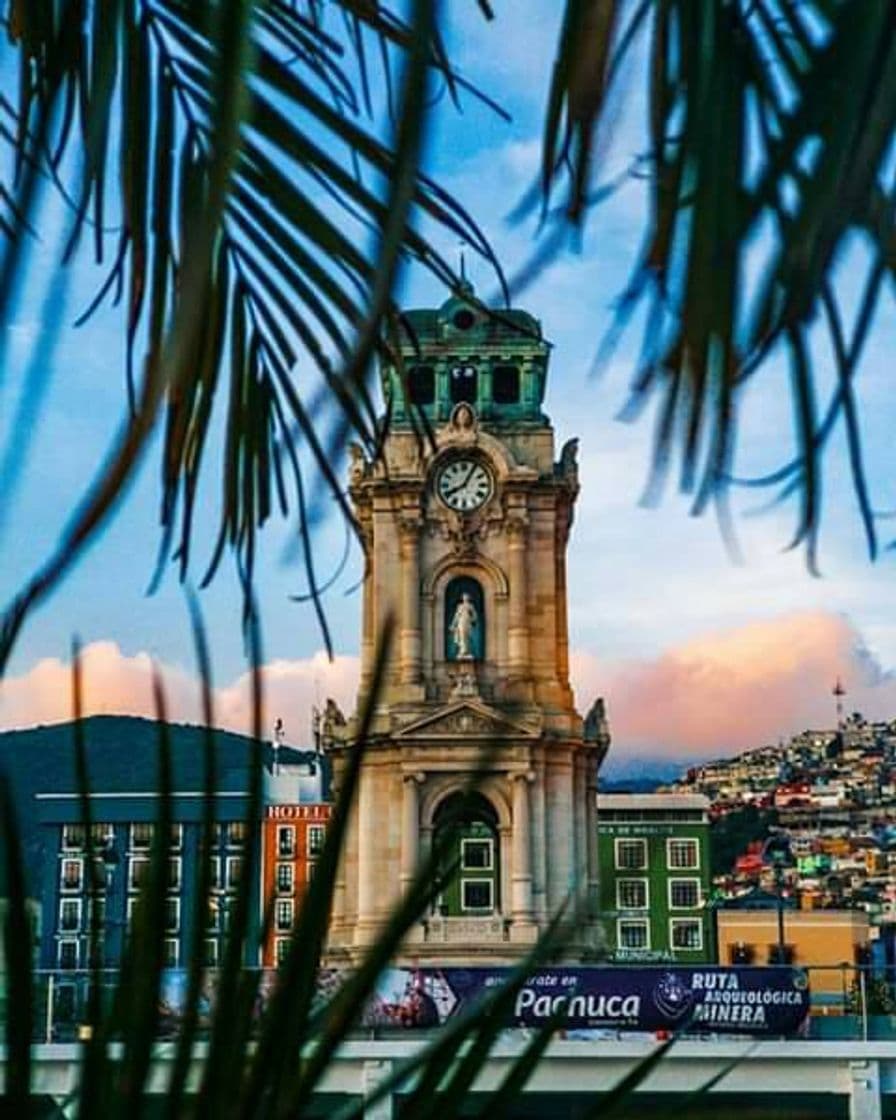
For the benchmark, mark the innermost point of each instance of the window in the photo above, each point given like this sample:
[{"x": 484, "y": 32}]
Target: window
[
  {"x": 740, "y": 953},
  {"x": 285, "y": 878},
  {"x": 67, "y": 953},
  {"x": 286, "y": 841},
  {"x": 631, "y": 894},
  {"x": 476, "y": 894},
  {"x": 422, "y": 384},
  {"x": 171, "y": 952},
  {"x": 284, "y": 915},
  {"x": 633, "y": 933},
  {"x": 70, "y": 915},
  {"x": 228, "y": 908},
  {"x": 464, "y": 384},
  {"x": 309, "y": 871},
  {"x": 100, "y": 874},
  {"x": 73, "y": 837},
  {"x": 93, "y": 950},
  {"x": 174, "y": 873},
  {"x": 172, "y": 915},
  {"x": 463, "y": 319},
  {"x": 505, "y": 384},
  {"x": 234, "y": 871},
  {"x": 141, "y": 836},
  {"x": 211, "y": 952},
  {"x": 686, "y": 933},
  {"x": 214, "y": 915},
  {"x": 281, "y": 950},
  {"x": 100, "y": 905},
  {"x": 138, "y": 872},
  {"x": 72, "y": 874},
  {"x": 631, "y": 855},
  {"x": 131, "y": 908},
  {"x": 682, "y": 853},
  {"x": 217, "y": 883},
  {"x": 476, "y": 855},
  {"x": 315, "y": 838},
  {"x": 684, "y": 894},
  {"x": 236, "y": 833},
  {"x": 101, "y": 833},
  {"x": 177, "y": 837}
]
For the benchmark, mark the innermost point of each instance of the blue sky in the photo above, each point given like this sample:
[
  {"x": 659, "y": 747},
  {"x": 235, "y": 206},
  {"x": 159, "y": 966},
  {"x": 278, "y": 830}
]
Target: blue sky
[{"x": 649, "y": 588}]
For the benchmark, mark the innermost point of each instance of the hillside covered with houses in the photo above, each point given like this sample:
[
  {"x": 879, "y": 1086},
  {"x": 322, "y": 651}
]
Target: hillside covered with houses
[{"x": 828, "y": 796}]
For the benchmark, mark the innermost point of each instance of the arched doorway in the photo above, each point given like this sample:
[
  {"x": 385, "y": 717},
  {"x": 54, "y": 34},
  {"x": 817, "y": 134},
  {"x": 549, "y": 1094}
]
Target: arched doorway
[{"x": 467, "y": 827}]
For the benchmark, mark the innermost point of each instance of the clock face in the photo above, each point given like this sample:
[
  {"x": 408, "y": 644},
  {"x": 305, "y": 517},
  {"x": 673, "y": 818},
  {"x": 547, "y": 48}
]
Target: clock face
[{"x": 465, "y": 484}]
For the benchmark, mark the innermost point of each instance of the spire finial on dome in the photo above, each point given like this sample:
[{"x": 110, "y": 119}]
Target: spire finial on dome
[{"x": 465, "y": 287}]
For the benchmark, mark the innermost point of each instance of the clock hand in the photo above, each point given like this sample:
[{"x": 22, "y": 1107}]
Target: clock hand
[{"x": 461, "y": 485}]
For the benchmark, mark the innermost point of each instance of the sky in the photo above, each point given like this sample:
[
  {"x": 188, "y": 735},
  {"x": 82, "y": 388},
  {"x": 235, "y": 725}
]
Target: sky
[{"x": 697, "y": 654}]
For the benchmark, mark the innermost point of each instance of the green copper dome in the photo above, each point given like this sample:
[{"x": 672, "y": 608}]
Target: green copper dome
[{"x": 494, "y": 359}]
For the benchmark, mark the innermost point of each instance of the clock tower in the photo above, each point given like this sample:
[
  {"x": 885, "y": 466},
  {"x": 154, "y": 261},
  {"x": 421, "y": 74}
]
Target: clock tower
[{"x": 465, "y": 522}]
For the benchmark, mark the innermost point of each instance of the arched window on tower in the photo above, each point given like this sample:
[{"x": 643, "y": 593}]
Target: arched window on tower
[
  {"x": 466, "y": 831},
  {"x": 464, "y": 620}
]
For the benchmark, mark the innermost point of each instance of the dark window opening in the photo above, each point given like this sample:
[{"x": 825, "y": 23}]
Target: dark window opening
[
  {"x": 463, "y": 319},
  {"x": 422, "y": 385},
  {"x": 506, "y": 384},
  {"x": 464, "y": 384}
]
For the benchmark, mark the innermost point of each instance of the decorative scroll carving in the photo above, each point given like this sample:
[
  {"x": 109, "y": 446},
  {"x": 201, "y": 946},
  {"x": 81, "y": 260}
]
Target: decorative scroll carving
[
  {"x": 464, "y": 422},
  {"x": 358, "y": 465},
  {"x": 464, "y": 685},
  {"x": 568, "y": 466}
]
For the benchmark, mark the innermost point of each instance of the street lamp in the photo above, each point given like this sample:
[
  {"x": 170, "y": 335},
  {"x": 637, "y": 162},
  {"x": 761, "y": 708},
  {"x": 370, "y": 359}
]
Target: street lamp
[{"x": 776, "y": 851}]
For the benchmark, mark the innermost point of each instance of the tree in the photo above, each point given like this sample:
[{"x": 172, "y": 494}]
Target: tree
[{"x": 223, "y": 141}]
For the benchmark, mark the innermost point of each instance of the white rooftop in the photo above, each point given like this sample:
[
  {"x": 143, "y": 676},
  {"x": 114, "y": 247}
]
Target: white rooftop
[{"x": 647, "y": 801}]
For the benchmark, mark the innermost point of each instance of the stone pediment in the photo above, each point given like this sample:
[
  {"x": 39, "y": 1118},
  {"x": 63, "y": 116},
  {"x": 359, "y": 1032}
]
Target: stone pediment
[{"x": 469, "y": 718}]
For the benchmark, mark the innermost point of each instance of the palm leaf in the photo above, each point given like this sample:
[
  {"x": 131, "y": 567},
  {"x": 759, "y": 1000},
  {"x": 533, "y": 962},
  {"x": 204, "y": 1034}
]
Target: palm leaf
[
  {"x": 815, "y": 92},
  {"x": 180, "y": 111}
]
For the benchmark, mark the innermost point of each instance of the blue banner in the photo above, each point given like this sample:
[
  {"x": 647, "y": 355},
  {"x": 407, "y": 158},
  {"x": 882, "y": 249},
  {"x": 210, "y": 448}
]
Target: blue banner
[{"x": 755, "y": 1001}]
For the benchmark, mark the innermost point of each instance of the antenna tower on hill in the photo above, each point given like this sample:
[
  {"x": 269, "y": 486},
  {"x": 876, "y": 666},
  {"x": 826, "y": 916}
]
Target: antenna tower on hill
[{"x": 839, "y": 692}]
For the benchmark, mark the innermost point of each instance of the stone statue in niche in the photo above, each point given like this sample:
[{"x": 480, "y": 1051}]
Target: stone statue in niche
[
  {"x": 464, "y": 620},
  {"x": 463, "y": 626}
]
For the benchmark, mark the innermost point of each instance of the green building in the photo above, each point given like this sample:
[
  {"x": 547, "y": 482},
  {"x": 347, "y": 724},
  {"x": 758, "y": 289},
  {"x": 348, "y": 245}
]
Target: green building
[{"x": 653, "y": 857}]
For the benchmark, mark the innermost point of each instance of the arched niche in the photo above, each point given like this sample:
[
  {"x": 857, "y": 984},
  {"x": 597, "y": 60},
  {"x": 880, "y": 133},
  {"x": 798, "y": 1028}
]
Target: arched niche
[
  {"x": 464, "y": 620},
  {"x": 492, "y": 582}
]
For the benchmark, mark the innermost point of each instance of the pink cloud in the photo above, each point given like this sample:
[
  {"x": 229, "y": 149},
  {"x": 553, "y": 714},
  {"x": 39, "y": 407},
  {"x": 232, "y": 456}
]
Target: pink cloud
[
  {"x": 716, "y": 694},
  {"x": 742, "y": 687},
  {"x": 115, "y": 683}
]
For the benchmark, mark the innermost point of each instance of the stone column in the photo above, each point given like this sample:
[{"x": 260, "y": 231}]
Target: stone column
[
  {"x": 410, "y": 828},
  {"x": 591, "y": 824},
  {"x": 410, "y": 644},
  {"x": 368, "y": 606},
  {"x": 367, "y": 826},
  {"x": 521, "y": 848},
  {"x": 517, "y": 614}
]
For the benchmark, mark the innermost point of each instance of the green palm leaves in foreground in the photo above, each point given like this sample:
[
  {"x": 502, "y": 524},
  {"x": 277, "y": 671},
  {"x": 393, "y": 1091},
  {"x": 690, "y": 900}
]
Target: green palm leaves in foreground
[
  {"x": 233, "y": 168},
  {"x": 249, "y": 1067},
  {"x": 225, "y": 164},
  {"x": 770, "y": 155}
]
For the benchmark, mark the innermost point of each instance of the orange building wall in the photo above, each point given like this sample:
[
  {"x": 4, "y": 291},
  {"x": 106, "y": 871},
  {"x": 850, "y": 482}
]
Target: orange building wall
[
  {"x": 298, "y": 817},
  {"x": 822, "y": 940}
]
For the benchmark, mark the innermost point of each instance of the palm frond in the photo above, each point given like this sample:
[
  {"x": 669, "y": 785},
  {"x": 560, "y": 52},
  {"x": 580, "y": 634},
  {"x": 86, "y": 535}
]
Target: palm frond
[
  {"x": 225, "y": 146},
  {"x": 770, "y": 130}
]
